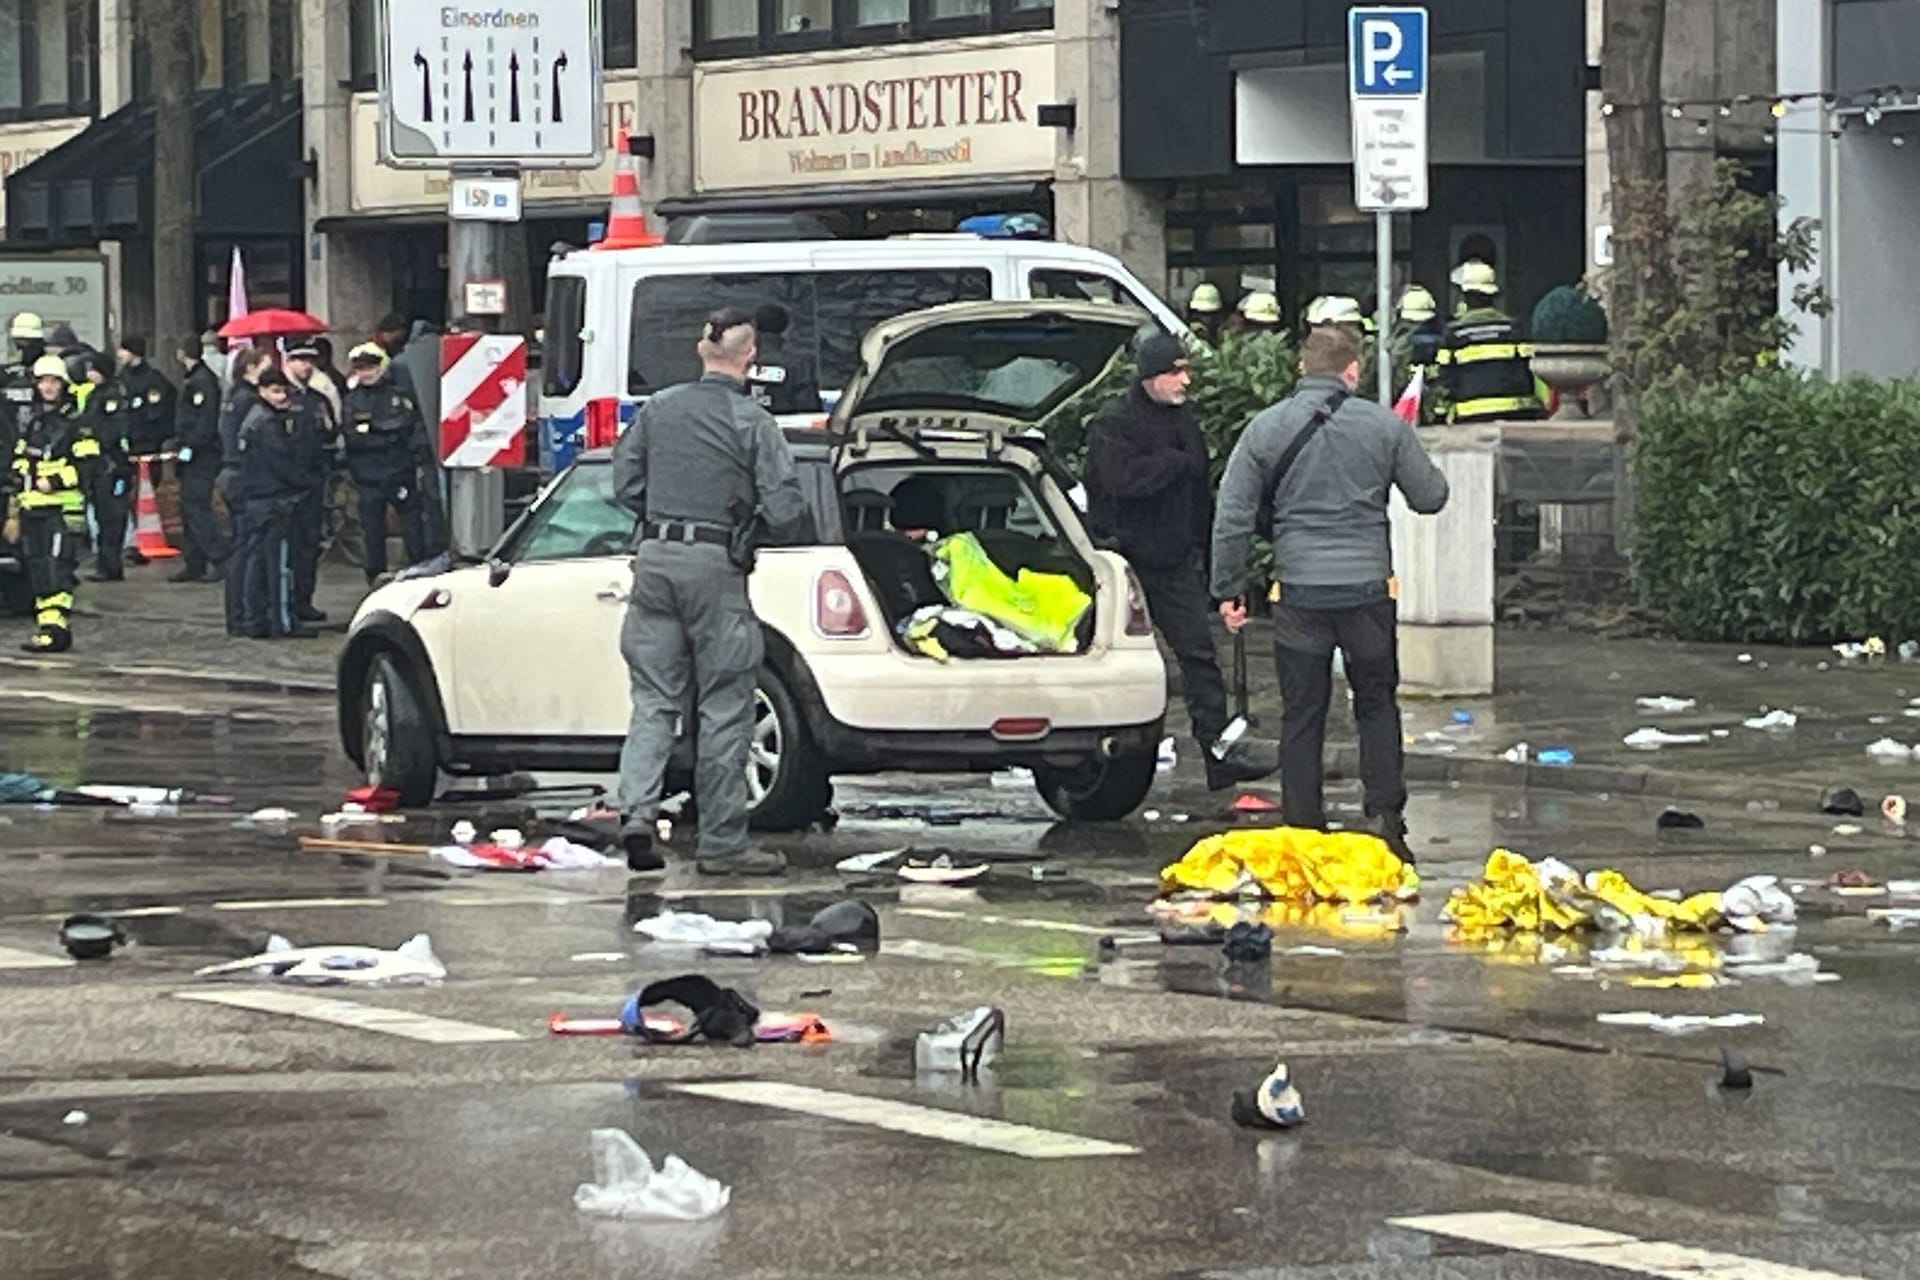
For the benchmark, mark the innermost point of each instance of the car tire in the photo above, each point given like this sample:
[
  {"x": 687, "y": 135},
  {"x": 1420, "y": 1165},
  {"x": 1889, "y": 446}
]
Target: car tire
[
  {"x": 396, "y": 735},
  {"x": 1099, "y": 791},
  {"x": 788, "y": 783}
]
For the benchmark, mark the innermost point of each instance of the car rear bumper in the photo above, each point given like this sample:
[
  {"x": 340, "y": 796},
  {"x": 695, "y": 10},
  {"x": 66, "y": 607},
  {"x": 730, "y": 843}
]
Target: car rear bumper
[
  {"x": 945, "y": 751},
  {"x": 900, "y": 693}
]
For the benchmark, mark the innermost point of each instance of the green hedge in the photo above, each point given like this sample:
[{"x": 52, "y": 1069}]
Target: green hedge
[{"x": 1782, "y": 508}]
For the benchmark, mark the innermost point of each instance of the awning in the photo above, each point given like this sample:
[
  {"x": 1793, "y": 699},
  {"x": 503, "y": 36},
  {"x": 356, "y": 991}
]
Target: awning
[
  {"x": 414, "y": 219},
  {"x": 98, "y": 185},
  {"x": 1012, "y": 192}
]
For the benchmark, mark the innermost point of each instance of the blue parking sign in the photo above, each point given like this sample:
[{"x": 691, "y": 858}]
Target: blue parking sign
[{"x": 1387, "y": 52}]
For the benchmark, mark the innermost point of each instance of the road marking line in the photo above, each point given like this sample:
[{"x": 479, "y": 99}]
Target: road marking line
[
  {"x": 943, "y": 953},
  {"x": 1571, "y": 1242},
  {"x": 1012, "y": 922},
  {"x": 365, "y": 1017},
  {"x": 295, "y": 904},
  {"x": 906, "y": 1117},
  {"x": 12, "y": 958}
]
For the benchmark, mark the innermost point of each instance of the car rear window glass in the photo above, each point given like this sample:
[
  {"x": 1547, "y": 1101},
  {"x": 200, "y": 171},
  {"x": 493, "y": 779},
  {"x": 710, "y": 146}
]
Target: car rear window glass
[{"x": 562, "y": 351}]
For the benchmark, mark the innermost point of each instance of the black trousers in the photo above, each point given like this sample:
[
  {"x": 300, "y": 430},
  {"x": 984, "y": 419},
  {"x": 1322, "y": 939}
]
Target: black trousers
[
  {"x": 200, "y": 527},
  {"x": 48, "y": 546},
  {"x": 1183, "y": 613},
  {"x": 110, "y": 494},
  {"x": 236, "y": 576},
  {"x": 306, "y": 545},
  {"x": 1304, "y": 641},
  {"x": 264, "y": 558},
  {"x": 376, "y": 495}
]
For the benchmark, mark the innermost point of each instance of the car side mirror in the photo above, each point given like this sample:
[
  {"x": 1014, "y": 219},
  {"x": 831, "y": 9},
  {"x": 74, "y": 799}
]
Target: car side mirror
[{"x": 497, "y": 571}]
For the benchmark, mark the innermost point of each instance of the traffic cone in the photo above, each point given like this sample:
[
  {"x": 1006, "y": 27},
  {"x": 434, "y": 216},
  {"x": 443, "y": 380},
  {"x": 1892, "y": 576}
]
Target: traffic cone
[
  {"x": 626, "y": 221},
  {"x": 148, "y": 535}
]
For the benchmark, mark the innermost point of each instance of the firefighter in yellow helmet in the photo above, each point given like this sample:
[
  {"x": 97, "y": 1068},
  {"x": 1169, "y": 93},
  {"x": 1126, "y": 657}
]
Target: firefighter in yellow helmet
[
  {"x": 1484, "y": 366},
  {"x": 1204, "y": 308},
  {"x": 45, "y": 473},
  {"x": 1259, "y": 312}
]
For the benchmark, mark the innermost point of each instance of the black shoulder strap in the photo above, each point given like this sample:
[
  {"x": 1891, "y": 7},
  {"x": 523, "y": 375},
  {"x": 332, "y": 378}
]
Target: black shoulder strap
[{"x": 1320, "y": 418}]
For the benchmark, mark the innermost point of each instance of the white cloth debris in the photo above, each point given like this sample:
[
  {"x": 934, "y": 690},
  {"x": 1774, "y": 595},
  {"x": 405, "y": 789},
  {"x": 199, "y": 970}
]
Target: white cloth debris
[
  {"x": 1308, "y": 949},
  {"x": 562, "y": 854},
  {"x": 412, "y": 961},
  {"x": 1680, "y": 1024},
  {"x": 1756, "y": 902},
  {"x": 1649, "y": 738},
  {"x": 74, "y": 1118},
  {"x": 943, "y": 870},
  {"x": 1888, "y": 749},
  {"x": 1796, "y": 970},
  {"x": 861, "y": 863},
  {"x": 627, "y": 1186},
  {"x": 1775, "y": 719},
  {"x": 464, "y": 832},
  {"x": 1518, "y": 753},
  {"x": 557, "y": 854},
  {"x": 691, "y": 929},
  {"x": 1896, "y": 917},
  {"x": 507, "y": 838},
  {"x": 271, "y": 816},
  {"x": 1665, "y": 705}
]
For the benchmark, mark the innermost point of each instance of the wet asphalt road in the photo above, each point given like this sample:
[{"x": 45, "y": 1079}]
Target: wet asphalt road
[{"x": 225, "y": 1143}]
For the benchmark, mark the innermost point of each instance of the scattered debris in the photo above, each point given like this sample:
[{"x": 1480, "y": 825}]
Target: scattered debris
[
  {"x": 90, "y": 937},
  {"x": 1796, "y": 970},
  {"x": 691, "y": 929},
  {"x": 370, "y": 800},
  {"x": 1843, "y": 802},
  {"x": 1650, "y": 738},
  {"x": 272, "y": 817},
  {"x": 1750, "y": 905},
  {"x": 1293, "y": 865},
  {"x": 1816, "y": 851},
  {"x": 464, "y": 832},
  {"x": 849, "y": 925},
  {"x": 1680, "y": 1024},
  {"x": 1846, "y": 829},
  {"x": 628, "y": 1187},
  {"x": 1557, "y": 756},
  {"x": 1274, "y": 1104},
  {"x": 943, "y": 870},
  {"x": 1518, "y": 753},
  {"x": 1665, "y": 705},
  {"x": 1775, "y": 719},
  {"x": 1168, "y": 758},
  {"x": 334, "y": 964},
  {"x": 597, "y": 957},
  {"x": 714, "y": 1012},
  {"x": 1855, "y": 650},
  {"x": 75, "y": 1117},
  {"x": 1249, "y": 943},
  {"x": 1551, "y": 897},
  {"x": 1734, "y": 1071},
  {"x": 1744, "y": 659},
  {"x": 1909, "y": 650},
  {"x": 964, "y": 1043},
  {"x": 862, "y": 863},
  {"x": 1888, "y": 749},
  {"x": 1853, "y": 879},
  {"x": 1462, "y": 716},
  {"x": 1894, "y": 808},
  {"x": 1679, "y": 820},
  {"x": 1678, "y": 981},
  {"x": 557, "y": 854},
  {"x": 1307, "y": 950},
  {"x": 1251, "y": 803}
]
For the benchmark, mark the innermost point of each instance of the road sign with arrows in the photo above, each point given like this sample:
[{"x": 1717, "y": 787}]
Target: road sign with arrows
[{"x": 491, "y": 83}]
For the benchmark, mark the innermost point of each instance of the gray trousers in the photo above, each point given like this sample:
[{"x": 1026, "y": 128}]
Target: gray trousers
[{"x": 690, "y": 627}]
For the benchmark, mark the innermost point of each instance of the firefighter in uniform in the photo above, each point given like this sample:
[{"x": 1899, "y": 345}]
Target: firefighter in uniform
[
  {"x": 105, "y": 419},
  {"x": 16, "y": 383},
  {"x": 196, "y": 428},
  {"x": 1485, "y": 368},
  {"x": 707, "y": 471},
  {"x": 385, "y": 442},
  {"x": 48, "y": 456},
  {"x": 276, "y": 458}
]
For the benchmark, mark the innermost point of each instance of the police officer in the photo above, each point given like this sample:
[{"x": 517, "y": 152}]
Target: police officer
[
  {"x": 105, "y": 419},
  {"x": 275, "y": 449},
  {"x": 148, "y": 398},
  {"x": 197, "y": 429},
  {"x": 703, "y": 467},
  {"x": 385, "y": 443},
  {"x": 241, "y": 401},
  {"x": 1485, "y": 368},
  {"x": 47, "y": 459},
  {"x": 320, "y": 432}
]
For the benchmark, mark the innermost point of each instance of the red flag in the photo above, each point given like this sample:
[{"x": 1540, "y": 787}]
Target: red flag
[{"x": 1408, "y": 405}]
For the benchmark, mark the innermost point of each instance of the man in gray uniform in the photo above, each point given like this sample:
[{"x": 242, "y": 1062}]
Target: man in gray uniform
[
  {"x": 700, "y": 464},
  {"x": 1319, "y": 466}
]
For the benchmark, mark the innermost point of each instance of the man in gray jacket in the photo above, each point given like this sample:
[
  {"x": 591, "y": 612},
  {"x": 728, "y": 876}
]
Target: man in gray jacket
[
  {"x": 1318, "y": 468},
  {"x": 700, "y": 464}
]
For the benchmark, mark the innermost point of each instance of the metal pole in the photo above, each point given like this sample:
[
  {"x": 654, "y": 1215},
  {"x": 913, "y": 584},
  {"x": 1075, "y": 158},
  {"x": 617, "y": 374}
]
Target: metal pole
[
  {"x": 477, "y": 498},
  {"x": 1383, "y": 304}
]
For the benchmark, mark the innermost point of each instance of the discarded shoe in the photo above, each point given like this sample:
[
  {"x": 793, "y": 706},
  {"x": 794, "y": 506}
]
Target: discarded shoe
[
  {"x": 1679, "y": 820},
  {"x": 1392, "y": 828},
  {"x": 1274, "y": 1105},
  {"x": 1843, "y": 802},
  {"x": 748, "y": 862},
  {"x": 1248, "y": 760}
]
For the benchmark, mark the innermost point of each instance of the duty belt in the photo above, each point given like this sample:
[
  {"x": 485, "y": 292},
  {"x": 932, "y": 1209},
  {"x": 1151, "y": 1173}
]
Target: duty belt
[{"x": 687, "y": 532}]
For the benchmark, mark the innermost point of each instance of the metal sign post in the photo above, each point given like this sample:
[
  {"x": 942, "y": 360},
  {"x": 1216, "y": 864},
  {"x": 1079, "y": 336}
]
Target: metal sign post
[
  {"x": 488, "y": 92},
  {"x": 1387, "y": 63}
]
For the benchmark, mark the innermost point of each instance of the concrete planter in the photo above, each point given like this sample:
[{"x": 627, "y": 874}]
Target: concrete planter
[{"x": 1574, "y": 370}]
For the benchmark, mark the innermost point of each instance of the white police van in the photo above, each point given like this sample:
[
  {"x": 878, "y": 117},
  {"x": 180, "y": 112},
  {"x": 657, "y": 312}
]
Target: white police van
[{"x": 621, "y": 323}]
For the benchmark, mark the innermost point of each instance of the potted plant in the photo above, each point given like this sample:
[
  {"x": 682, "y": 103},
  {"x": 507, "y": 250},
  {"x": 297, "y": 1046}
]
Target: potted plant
[{"x": 1569, "y": 332}]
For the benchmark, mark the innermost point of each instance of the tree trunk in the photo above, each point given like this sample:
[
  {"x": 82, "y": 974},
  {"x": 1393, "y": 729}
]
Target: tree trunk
[
  {"x": 1634, "y": 37},
  {"x": 171, "y": 33}
]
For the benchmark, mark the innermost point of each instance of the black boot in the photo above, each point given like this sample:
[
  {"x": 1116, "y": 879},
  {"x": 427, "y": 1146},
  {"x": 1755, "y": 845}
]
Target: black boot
[
  {"x": 1392, "y": 828},
  {"x": 641, "y": 855},
  {"x": 1247, "y": 760}
]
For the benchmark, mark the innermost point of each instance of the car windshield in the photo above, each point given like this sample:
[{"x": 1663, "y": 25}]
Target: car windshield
[
  {"x": 575, "y": 518},
  {"x": 1021, "y": 369}
]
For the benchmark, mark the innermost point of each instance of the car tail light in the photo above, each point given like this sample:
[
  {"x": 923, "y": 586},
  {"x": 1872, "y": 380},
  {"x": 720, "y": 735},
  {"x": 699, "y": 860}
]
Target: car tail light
[
  {"x": 1022, "y": 728},
  {"x": 603, "y": 422},
  {"x": 837, "y": 612},
  {"x": 1139, "y": 619},
  {"x": 438, "y": 598}
]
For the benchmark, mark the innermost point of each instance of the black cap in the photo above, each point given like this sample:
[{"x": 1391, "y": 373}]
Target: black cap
[
  {"x": 724, "y": 319},
  {"x": 272, "y": 378},
  {"x": 303, "y": 350},
  {"x": 1160, "y": 353},
  {"x": 392, "y": 322},
  {"x": 135, "y": 343}
]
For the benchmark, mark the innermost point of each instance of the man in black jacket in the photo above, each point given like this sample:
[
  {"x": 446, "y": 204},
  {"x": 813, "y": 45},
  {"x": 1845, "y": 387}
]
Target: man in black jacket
[
  {"x": 1148, "y": 494},
  {"x": 197, "y": 428}
]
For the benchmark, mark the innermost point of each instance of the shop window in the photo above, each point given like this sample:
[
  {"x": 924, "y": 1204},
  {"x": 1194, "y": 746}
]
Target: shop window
[
  {"x": 619, "y": 34},
  {"x": 728, "y": 28},
  {"x": 564, "y": 354},
  {"x": 799, "y": 17},
  {"x": 722, "y": 20},
  {"x": 880, "y": 13},
  {"x": 47, "y": 54},
  {"x": 939, "y": 10}
]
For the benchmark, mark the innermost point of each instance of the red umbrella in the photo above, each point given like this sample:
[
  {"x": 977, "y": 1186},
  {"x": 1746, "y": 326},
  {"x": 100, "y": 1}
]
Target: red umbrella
[{"x": 274, "y": 322}]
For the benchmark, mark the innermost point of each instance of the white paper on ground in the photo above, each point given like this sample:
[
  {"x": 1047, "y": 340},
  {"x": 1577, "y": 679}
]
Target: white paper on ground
[
  {"x": 1888, "y": 749},
  {"x": 1651, "y": 737},
  {"x": 412, "y": 961},
  {"x": 1775, "y": 719},
  {"x": 691, "y": 929},
  {"x": 627, "y": 1186},
  {"x": 1665, "y": 705},
  {"x": 1680, "y": 1024}
]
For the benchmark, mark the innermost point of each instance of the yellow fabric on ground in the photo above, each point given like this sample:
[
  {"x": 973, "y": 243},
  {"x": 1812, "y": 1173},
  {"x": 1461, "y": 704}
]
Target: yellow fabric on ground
[
  {"x": 1042, "y": 607},
  {"x": 1292, "y": 864},
  {"x": 1514, "y": 894}
]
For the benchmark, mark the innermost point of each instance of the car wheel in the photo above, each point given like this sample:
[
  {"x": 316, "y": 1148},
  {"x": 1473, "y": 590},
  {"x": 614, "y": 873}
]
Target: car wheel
[
  {"x": 396, "y": 737},
  {"x": 788, "y": 786},
  {"x": 1099, "y": 791}
]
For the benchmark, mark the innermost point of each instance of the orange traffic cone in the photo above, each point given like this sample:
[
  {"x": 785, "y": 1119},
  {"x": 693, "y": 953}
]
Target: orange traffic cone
[
  {"x": 626, "y": 221},
  {"x": 148, "y": 535}
]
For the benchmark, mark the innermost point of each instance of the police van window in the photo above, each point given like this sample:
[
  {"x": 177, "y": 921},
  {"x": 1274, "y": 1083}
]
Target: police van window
[
  {"x": 563, "y": 353},
  {"x": 578, "y": 518},
  {"x": 1078, "y": 286},
  {"x": 825, "y": 315}
]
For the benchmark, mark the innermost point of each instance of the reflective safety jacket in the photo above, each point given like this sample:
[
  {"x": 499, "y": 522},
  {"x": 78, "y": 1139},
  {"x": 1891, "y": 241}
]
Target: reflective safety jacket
[
  {"x": 1486, "y": 369},
  {"x": 51, "y": 448}
]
